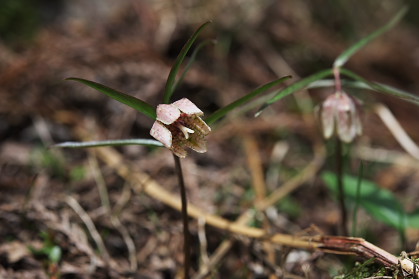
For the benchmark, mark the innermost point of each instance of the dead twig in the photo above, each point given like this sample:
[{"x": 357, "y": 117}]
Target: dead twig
[
  {"x": 74, "y": 204},
  {"x": 205, "y": 261},
  {"x": 382, "y": 155},
  {"x": 397, "y": 130},
  {"x": 116, "y": 222}
]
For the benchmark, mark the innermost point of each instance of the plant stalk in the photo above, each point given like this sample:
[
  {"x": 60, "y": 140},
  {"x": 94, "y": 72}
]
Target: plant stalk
[
  {"x": 338, "y": 82},
  {"x": 357, "y": 199},
  {"x": 185, "y": 220},
  {"x": 341, "y": 190}
]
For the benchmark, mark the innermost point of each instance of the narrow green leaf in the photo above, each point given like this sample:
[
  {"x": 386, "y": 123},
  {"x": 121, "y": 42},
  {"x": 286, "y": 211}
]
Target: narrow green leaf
[
  {"x": 191, "y": 61},
  {"x": 131, "y": 101},
  {"x": 378, "y": 202},
  {"x": 381, "y": 88},
  {"x": 362, "y": 83},
  {"x": 223, "y": 111},
  {"x": 413, "y": 219},
  {"x": 72, "y": 144},
  {"x": 170, "y": 84},
  {"x": 295, "y": 87},
  {"x": 344, "y": 57}
]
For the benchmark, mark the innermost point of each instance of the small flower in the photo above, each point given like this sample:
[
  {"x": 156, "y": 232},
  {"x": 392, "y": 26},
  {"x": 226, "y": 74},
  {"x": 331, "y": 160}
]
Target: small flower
[
  {"x": 179, "y": 125},
  {"x": 339, "y": 115}
]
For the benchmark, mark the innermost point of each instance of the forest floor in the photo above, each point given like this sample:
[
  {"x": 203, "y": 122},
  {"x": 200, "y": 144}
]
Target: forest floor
[{"x": 75, "y": 213}]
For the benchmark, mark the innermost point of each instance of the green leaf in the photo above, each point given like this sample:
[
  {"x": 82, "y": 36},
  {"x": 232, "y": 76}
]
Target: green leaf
[
  {"x": 223, "y": 111},
  {"x": 381, "y": 88},
  {"x": 413, "y": 219},
  {"x": 131, "y": 101},
  {"x": 344, "y": 57},
  {"x": 295, "y": 87},
  {"x": 191, "y": 61},
  {"x": 72, "y": 144},
  {"x": 170, "y": 84},
  {"x": 378, "y": 202}
]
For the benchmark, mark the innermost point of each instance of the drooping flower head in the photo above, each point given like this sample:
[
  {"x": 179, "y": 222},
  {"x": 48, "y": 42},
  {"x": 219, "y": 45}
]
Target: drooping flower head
[
  {"x": 179, "y": 125},
  {"x": 339, "y": 115}
]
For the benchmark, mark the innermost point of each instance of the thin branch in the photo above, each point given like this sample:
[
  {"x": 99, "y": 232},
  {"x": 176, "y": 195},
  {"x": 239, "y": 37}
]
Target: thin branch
[
  {"x": 74, "y": 204},
  {"x": 104, "y": 196},
  {"x": 203, "y": 245},
  {"x": 101, "y": 185}
]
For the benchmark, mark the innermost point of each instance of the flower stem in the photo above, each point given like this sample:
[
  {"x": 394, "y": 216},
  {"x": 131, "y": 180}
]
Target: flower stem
[
  {"x": 186, "y": 239},
  {"x": 341, "y": 190},
  {"x": 338, "y": 83},
  {"x": 357, "y": 199}
]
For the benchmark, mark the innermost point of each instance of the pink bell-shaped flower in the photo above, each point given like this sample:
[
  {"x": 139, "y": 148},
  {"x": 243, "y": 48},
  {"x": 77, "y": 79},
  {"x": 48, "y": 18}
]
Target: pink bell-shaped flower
[
  {"x": 179, "y": 125},
  {"x": 339, "y": 115}
]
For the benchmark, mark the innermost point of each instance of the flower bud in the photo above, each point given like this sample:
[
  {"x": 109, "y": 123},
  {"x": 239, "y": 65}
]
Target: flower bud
[{"x": 339, "y": 115}]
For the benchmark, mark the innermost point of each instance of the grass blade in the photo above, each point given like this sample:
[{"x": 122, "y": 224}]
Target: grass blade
[
  {"x": 170, "y": 84},
  {"x": 131, "y": 101},
  {"x": 295, "y": 87},
  {"x": 413, "y": 219},
  {"x": 191, "y": 61},
  {"x": 344, "y": 57},
  {"x": 223, "y": 111},
  {"x": 381, "y": 88},
  {"x": 73, "y": 144}
]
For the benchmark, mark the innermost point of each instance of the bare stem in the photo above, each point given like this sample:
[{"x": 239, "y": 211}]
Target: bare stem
[
  {"x": 338, "y": 83},
  {"x": 186, "y": 241},
  {"x": 341, "y": 191}
]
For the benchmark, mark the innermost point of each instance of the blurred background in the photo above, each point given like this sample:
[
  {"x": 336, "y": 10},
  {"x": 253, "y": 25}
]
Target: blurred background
[{"x": 130, "y": 46}]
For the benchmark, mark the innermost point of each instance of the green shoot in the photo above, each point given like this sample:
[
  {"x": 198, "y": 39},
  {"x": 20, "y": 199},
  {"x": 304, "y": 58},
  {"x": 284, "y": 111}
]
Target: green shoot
[
  {"x": 170, "y": 84},
  {"x": 191, "y": 61}
]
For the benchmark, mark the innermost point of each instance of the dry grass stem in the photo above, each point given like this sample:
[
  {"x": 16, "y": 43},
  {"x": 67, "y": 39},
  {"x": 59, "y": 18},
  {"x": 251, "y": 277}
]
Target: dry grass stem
[
  {"x": 397, "y": 130},
  {"x": 382, "y": 155},
  {"x": 74, "y": 204},
  {"x": 279, "y": 66},
  {"x": 104, "y": 196},
  {"x": 100, "y": 182},
  {"x": 203, "y": 245},
  {"x": 258, "y": 182}
]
